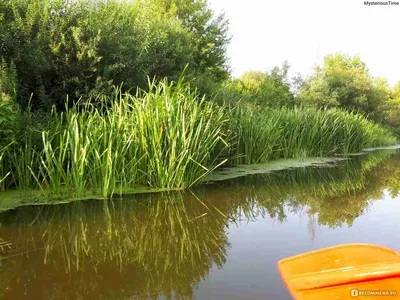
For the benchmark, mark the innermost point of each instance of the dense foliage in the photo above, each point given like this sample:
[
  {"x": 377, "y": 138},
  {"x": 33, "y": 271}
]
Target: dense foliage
[
  {"x": 65, "y": 126},
  {"x": 271, "y": 89},
  {"x": 345, "y": 82},
  {"x": 393, "y": 108},
  {"x": 167, "y": 137},
  {"x": 8, "y": 109},
  {"x": 342, "y": 82},
  {"x": 80, "y": 48}
]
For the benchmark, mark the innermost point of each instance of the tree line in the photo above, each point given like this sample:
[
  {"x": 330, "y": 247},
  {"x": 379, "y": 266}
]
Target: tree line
[
  {"x": 343, "y": 81},
  {"x": 55, "y": 52}
]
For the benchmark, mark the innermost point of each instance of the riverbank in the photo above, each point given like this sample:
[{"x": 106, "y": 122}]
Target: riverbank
[
  {"x": 169, "y": 138},
  {"x": 16, "y": 198}
]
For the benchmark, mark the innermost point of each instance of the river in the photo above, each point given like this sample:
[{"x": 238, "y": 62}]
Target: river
[{"x": 218, "y": 241}]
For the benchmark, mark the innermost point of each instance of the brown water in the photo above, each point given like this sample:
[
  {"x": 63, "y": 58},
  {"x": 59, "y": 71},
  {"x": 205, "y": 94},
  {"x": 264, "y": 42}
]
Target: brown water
[{"x": 219, "y": 241}]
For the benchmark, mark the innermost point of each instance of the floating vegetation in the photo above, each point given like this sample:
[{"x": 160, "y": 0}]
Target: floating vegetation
[{"x": 282, "y": 164}]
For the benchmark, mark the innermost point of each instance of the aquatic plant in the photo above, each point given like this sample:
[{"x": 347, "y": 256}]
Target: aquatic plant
[
  {"x": 161, "y": 138},
  {"x": 258, "y": 136},
  {"x": 169, "y": 138},
  {"x": 2, "y": 175}
]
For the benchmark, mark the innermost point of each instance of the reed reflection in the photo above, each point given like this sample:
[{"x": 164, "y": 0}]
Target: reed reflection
[{"x": 147, "y": 246}]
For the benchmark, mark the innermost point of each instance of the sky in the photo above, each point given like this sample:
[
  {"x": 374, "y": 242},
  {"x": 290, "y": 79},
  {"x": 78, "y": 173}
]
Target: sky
[{"x": 267, "y": 32}]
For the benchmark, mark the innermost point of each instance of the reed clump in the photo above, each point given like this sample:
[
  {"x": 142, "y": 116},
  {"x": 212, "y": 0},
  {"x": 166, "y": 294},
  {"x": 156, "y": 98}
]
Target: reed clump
[
  {"x": 168, "y": 137},
  {"x": 161, "y": 138},
  {"x": 257, "y": 136}
]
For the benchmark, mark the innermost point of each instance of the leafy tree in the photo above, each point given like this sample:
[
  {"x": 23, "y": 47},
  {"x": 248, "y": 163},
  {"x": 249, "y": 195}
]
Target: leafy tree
[
  {"x": 271, "y": 89},
  {"x": 83, "y": 47},
  {"x": 297, "y": 83},
  {"x": 209, "y": 38},
  {"x": 276, "y": 90},
  {"x": 380, "y": 97},
  {"x": 8, "y": 114},
  {"x": 53, "y": 54},
  {"x": 343, "y": 81},
  {"x": 393, "y": 108},
  {"x": 8, "y": 108},
  {"x": 316, "y": 92}
]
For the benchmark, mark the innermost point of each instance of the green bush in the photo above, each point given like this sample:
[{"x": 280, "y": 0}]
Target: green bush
[{"x": 80, "y": 48}]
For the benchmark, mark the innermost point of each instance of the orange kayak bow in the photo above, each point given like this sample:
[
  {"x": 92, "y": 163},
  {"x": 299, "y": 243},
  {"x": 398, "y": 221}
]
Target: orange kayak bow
[{"x": 350, "y": 271}]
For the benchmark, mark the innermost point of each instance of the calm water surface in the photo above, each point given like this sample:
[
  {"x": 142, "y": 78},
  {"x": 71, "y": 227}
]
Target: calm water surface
[{"x": 220, "y": 241}]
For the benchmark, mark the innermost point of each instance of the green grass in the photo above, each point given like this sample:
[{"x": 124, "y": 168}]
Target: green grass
[
  {"x": 3, "y": 175},
  {"x": 162, "y": 138},
  {"x": 169, "y": 138},
  {"x": 258, "y": 136}
]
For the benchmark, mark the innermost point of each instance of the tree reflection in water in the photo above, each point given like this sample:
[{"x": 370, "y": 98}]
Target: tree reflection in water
[{"x": 146, "y": 246}]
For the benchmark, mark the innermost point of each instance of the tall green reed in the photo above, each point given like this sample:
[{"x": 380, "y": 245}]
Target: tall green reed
[
  {"x": 177, "y": 132},
  {"x": 258, "y": 136},
  {"x": 3, "y": 175},
  {"x": 169, "y": 137},
  {"x": 162, "y": 138}
]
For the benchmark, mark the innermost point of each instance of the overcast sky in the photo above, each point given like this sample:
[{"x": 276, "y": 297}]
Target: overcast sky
[{"x": 267, "y": 32}]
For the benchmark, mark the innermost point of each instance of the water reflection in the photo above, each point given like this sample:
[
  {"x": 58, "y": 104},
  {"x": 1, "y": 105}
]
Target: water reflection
[
  {"x": 156, "y": 245},
  {"x": 338, "y": 194},
  {"x": 146, "y": 248}
]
